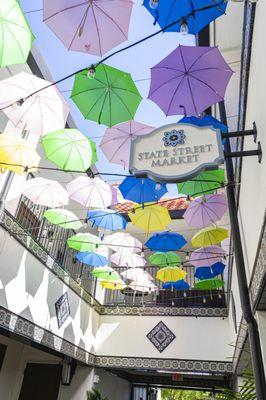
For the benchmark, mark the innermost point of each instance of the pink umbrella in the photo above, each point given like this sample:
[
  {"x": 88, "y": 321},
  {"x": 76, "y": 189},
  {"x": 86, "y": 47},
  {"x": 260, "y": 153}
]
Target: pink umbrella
[
  {"x": 132, "y": 260},
  {"x": 207, "y": 256},
  {"x": 206, "y": 210},
  {"x": 117, "y": 140},
  {"x": 90, "y": 26}
]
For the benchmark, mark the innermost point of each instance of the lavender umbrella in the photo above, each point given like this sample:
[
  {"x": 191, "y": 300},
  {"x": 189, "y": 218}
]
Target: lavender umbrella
[
  {"x": 93, "y": 27},
  {"x": 206, "y": 256},
  {"x": 189, "y": 80},
  {"x": 206, "y": 210}
]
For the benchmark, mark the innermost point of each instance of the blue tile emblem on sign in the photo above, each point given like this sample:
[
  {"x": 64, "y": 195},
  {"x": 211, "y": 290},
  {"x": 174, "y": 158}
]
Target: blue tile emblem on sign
[{"x": 174, "y": 137}]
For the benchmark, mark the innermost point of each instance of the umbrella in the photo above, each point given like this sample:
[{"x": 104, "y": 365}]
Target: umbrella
[
  {"x": 206, "y": 210},
  {"x": 206, "y": 256},
  {"x": 90, "y": 192},
  {"x": 167, "y": 12},
  {"x": 37, "y": 109},
  {"x": 137, "y": 275},
  {"x": 166, "y": 241},
  {"x": 116, "y": 284},
  {"x": 144, "y": 286},
  {"x": 209, "y": 236},
  {"x": 189, "y": 80},
  {"x": 107, "y": 219},
  {"x": 206, "y": 183},
  {"x": 63, "y": 218},
  {"x": 150, "y": 218},
  {"x": 204, "y": 273},
  {"x": 83, "y": 242},
  {"x": 45, "y": 192},
  {"x": 16, "y": 37},
  {"x": 209, "y": 284},
  {"x": 217, "y": 268},
  {"x": 16, "y": 154},
  {"x": 170, "y": 274},
  {"x": 164, "y": 259},
  {"x": 105, "y": 274},
  {"x": 130, "y": 260},
  {"x": 122, "y": 241},
  {"x": 141, "y": 190},
  {"x": 109, "y": 98},
  {"x": 205, "y": 120},
  {"x": 92, "y": 27},
  {"x": 178, "y": 285},
  {"x": 117, "y": 141},
  {"x": 91, "y": 258},
  {"x": 70, "y": 149}
]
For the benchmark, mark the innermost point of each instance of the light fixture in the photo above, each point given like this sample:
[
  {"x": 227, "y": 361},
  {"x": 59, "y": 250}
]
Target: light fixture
[
  {"x": 91, "y": 72},
  {"x": 68, "y": 370},
  {"x": 184, "y": 27},
  {"x": 153, "y": 4}
]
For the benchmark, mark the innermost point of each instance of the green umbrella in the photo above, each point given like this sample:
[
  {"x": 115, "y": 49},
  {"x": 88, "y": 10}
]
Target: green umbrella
[
  {"x": 205, "y": 183},
  {"x": 209, "y": 284},
  {"x": 108, "y": 98},
  {"x": 83, "y": 242},
  {"x": 165, "y": 259},
  {"x": 70, "y": 149},
  {"x": 15, "y": 34},
  {"x": 105, "y": 274},
  {"x": 64, "y": 218}
]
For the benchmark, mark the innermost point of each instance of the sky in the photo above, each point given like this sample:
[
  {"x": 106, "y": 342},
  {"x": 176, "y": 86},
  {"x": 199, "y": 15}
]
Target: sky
[{"x": 137, "y": 61}]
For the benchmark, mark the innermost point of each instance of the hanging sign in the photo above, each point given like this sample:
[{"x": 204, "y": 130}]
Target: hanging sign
[{"x": 176, "y": 152}]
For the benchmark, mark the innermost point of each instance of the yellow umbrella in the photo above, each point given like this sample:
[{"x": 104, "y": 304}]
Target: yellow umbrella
[
  {"x": 113, "y": 285},
  {"x": 16, "y": 154},
  {"x": 170, "y": 274},
  {"x": 209, "y": 236},
  {"x": 151, "y": 218}
]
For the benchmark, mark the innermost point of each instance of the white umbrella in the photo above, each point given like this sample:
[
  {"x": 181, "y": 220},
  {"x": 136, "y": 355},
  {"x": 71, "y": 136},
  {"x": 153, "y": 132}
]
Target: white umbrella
[
  {"x": 144, "y": 286},
  {"x": 137, "y": 275},
  {"x": 45, "y": 192},
  {"x": 41, "y": 113},
  {"x": 90, "y": 192},
  {"x": 121, "y": 241},
  {"x": 130, "y": 260}
]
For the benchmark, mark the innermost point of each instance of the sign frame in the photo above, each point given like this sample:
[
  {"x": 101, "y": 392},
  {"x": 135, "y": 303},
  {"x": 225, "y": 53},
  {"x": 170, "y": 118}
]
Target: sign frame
[{"x": 181, "y": 177}]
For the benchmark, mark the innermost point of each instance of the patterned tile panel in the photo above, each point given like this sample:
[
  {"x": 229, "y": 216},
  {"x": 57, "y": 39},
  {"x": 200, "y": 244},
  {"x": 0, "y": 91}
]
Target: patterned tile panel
[{"x": 161, "y": 336}]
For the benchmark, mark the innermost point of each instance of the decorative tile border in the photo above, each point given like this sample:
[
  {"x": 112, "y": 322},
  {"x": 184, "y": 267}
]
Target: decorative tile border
[
  {"x": 162, "y": 311},
  {"x": 240, "y": 343}
]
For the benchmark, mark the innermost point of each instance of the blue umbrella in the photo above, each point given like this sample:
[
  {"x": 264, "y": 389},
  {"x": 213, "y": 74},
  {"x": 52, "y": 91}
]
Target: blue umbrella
[
  {"x": 206, "y": 120},
  {"x": 204, "y": 273},
  {"x": 192, "y": 20},
  {"x": 92, "y": 259},
  {"x": 107, "y": 219},
  {"x": 142, "y": 190},
  {"x": 166, "y": 241},
  {"x": 178, "y": 285},
  {"x": 217, "y": 268}
]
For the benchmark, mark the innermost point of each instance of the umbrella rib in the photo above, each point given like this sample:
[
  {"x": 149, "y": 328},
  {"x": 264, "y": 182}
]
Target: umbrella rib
[
  {"x": 201, "y": 56},
  {"x": 126, "y": 90},
  {"x": 191, "y": 93},
  {"x": 172, "y": 99},
  {"x": 65, "y": 9},
  {"x": 123, "y": 104},
  {"x": 97, "y": 28},
  {"x": 164, "y": 83},
  {"x": 82, "y": 22},
  {"x": 114, "y": 22},
  {"x": 99, "y": 98},
  {"x": 2, "y": 47},
  {"x": 11, "y": 8},
  {"x": 204, "y": 83},
  {"x": 169, "y": 68}
]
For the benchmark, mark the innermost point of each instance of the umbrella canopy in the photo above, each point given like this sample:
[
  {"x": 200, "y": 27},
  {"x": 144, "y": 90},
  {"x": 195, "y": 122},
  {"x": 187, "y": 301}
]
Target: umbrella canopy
[
  {"x": 167, "y": 12},
  {"x": 105, "y": 274},
  {"x": 206, "y": 210},
  {"x": 130, "y": 260},
  {"x": 150, "y": 218},
  {"x": 109, "y": 98},
  {"x": 137, "y": 275},
  {"x": 209, "y": 284},
  {"x": 170, "y": 274},
  {"x": 70, "y": 149},
  {"x": 16, "y": 37},
  {"x": 204, "y": 273},
  {"x": 117, "y": 141},
  {"x": 45, "y": 192},
  {"x": 206, "y": 256},
  {"x": 90, "y": 192},
  {"x": 217, "y": 268},
  {"x": 42, "y": 112},
  {"x": 16, "y": 154},
  {"x": 164, "y": 259},
  {"x": 122, "y": 241},
  {"x": 189, "y": 80},
  {"x": 92, "y": 27},
  {"x": 178, "y": 285},
  {"x": 206, "y": 183},
  {"x": 209, "y": 236},
  {"x": 92, "y": 259},
  {"x": 141, "y": 190},
  {"x": 166, "y": 241},
  {"x": 107, "y": 219},
  {"x": 83, "y": 242},
  {"x": 143, "y": 287},
  {"x": 116, "y": 284},
  {"x": 205, "y": 120},
  {"x": 63, "y": 218}
]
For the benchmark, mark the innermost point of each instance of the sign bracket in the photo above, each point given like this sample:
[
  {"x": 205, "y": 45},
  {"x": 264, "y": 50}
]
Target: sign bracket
[
  {"x": 249, "y": 132},
  {"x": 245, "y": 153}
]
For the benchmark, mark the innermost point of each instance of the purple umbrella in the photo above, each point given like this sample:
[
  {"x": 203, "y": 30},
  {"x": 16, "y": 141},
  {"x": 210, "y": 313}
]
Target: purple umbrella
[
  {"x": 206, "y": 210},
  {"x": 189, "y": 80},
  {"x": 206, "y": 256}
]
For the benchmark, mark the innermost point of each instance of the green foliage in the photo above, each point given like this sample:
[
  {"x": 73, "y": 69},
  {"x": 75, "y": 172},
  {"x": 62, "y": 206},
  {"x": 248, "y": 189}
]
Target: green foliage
[
  {"x": 174, "y": 394},
  {"x": 247, "y": 389},
  {"x": 94, "y": 394}
]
